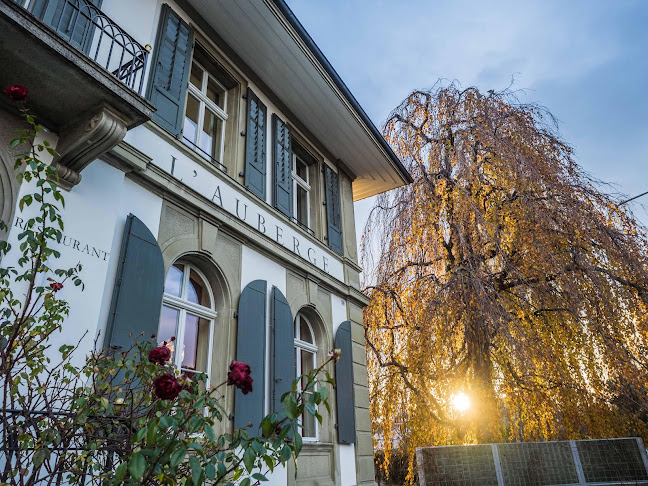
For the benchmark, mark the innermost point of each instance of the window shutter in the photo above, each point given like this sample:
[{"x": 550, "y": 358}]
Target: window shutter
[
  {"x": 283, "y": 348},
  {"x": 137, "y": 295},
  {"x": 169, "y": 75},
  {"x": 333, "y": 212},
  {"x": 255, "y": 146},
  {"x": 282, "y": 160},
  {"x": 344, "y": 385},
  {"x": 250, "y": 349},
  {"x": 72, "y": 20}
]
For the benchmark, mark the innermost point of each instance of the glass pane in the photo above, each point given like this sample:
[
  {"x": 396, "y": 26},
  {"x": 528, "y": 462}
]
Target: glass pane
[
  {"x": 307, "y": 361},
  {"x": 301, "y": 169},
  {"x": 308, "y": 424},
  {"x": 173, "y": 282},
  {"x": 168, "y": 326},
  {"x": 196, "y": 292},
  {"x": 215, "y": 92},
  {"x": 302, "y": 205},
  {"x": 196, "y": 76},
  {"x": 196, "y": 344},
  {"x": 190, "y": 128},
  {"x": 304, "y": 332},
  {"x": 209, "y": 139}
]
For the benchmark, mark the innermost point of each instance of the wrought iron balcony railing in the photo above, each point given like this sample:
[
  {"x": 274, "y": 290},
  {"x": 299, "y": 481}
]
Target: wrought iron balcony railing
[{"x": 88, "y": 29}]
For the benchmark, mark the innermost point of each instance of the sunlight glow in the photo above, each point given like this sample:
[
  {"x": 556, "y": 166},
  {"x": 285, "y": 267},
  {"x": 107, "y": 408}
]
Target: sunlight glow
[{"x": 461, "y": 402}]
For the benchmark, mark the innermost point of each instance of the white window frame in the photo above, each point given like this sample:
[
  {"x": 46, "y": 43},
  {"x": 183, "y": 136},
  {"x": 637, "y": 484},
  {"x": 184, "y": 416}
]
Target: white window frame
[
  {"x": 304, "y": 184},
  {"x": 312, "y": 348},
  {"x": 206, "y": 103},
  {"x": 184, "y": 307}
]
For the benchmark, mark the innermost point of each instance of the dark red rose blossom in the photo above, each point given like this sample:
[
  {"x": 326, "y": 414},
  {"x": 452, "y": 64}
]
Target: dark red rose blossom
[
  {"x": 239, "y": 376},
  {"x": 56, "y": 286},
  {"x": 159, "y": 355},
  {"x": 167, "y": 387},
  {"x": 17, "y": 93}
]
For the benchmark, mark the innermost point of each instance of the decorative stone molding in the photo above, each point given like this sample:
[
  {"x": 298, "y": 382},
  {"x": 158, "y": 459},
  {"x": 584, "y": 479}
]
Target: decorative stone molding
[{"x": 85, "y": 141}]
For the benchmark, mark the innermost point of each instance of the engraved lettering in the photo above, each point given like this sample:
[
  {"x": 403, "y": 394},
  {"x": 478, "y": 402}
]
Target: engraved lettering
[
  {"x": 279, "y": 235},
  {"x": 261, "y": 224},
  {"x": 237, "y": 210},
  {"x": 325, "y": 264},
  {"x": 311, "y": 257},
  {"x": 217, "y": 195},
  {"x": 296, "y": 245}
]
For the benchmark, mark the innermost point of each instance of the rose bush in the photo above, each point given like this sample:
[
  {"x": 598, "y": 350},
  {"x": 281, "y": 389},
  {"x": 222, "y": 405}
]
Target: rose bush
[{"x": 121, "y": 416}]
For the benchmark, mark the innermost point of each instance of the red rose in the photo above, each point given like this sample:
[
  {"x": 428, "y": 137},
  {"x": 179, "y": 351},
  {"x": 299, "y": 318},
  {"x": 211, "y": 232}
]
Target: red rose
[
  {"x": 167, "y": 387},
  {"x": 56, "y": 286},
  {"x": 17, "y": 93},
  {"x": 159, "y": 355},
  {"x": 239, "y": 376}
]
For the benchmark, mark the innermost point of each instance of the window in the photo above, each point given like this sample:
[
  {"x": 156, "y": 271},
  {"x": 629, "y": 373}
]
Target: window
[
  {"x": 205, "y": 113},
  {"x": 301, "y": 191},
  {"x": 305, "y": 362},
  {"x": 188, "y": 314}
]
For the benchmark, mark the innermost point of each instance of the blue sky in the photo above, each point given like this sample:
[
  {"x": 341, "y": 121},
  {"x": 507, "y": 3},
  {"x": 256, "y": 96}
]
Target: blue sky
[{"x": 585, "y": 60}]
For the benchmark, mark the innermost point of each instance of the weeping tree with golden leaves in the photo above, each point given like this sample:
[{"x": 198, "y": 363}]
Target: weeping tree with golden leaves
[{"x": 508, "y": 291}]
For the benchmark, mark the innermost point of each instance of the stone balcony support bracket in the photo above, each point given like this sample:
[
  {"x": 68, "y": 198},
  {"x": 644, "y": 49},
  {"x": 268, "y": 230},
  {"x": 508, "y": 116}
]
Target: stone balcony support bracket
[{"x": 84, "y": 141}]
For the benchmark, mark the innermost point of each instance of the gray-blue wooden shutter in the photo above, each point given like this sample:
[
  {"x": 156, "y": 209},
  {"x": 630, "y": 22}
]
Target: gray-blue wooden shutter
[
  {"x": 250, "y": 349},
  {"x": 344, "y": 385},
  {"x": 72, "y": 20},
  {"x": 283, "y": 348},
  {"x": 333, "y": 213},
  {"x": 255, "y": 146},
  {"x": 282, "y": 162},
  {"x": 137, "y": 294},
  {"x": 167, "y": 88}
]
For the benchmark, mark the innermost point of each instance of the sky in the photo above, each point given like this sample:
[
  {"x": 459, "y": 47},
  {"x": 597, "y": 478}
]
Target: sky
[{"x": 585, "y": 60}]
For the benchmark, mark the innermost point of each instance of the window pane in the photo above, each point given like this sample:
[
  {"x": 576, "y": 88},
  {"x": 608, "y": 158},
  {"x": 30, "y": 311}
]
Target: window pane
[
  {"x": 196, "y": 292},
  {"x": 304, "y": 331},
  {"x": 196, "y": 76},
  {"x": 209, "y": 139},
  {"x": 308, "y": 423},
  {"x": 215, "y": 93},
  {"x": 173, "y": 282},
  {"x": 302, "y": 205},
  {"x": 168, "y": 326},
  {"x": 190, "y": 129},
  {"x": 196, "y": 344},
  {"x": 301, "y": 169}
]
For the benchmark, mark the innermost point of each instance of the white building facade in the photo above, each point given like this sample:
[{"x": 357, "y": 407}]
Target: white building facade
[{"x": 211, "y": 157}]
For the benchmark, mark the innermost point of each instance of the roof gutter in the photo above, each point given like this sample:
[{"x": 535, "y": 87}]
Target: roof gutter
[{"x": 310, "y": 43}]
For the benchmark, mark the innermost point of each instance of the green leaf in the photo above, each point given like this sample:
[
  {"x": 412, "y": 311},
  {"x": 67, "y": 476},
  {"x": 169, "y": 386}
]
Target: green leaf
[
  {"x": 120, "y": 473},
  {"x": 196, "y": 470},
  {"x": 290, "y": 407},
  {"x": 248, "y": 459},
  {"x": 210, "y": 471},
  {"x": 285, "y": 454},
  {"x": 245, "y": 482},
  {"x": 151, "y": 434},
  {"x": 259, "y": 477},
  {"x": 209, "y": 432},
  {"x": 297, "y": 439},
  {"x": 222, "y": 470},
  {"x": 40, "y": 456},
  {"x": 177, "y": 457},
  {"x": 136, "y": 466}
]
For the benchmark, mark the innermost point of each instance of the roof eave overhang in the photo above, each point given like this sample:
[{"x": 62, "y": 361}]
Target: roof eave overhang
[{"x": 267, "y": 37}]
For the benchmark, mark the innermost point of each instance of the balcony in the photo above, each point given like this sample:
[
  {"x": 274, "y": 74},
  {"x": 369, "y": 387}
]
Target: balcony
[{"x": 85, "y": 75}]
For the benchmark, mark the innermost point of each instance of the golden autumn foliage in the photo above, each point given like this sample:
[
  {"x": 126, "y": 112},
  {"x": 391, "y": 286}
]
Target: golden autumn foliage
[{"x": 505, "y": 273}]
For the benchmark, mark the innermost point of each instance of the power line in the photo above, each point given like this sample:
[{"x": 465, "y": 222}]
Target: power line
[{"x": 633, "y": 198}]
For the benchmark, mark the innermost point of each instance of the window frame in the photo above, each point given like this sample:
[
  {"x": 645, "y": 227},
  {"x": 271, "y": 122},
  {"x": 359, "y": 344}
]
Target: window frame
[
  {"x": 312, "y": 348},
  {"x": 205, "y": 103},
  {"x": 298, "y": 181},
  {"x": 184, "y": 306}
]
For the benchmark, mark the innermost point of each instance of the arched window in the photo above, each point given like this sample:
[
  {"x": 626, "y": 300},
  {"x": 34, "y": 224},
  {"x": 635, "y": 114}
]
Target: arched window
[
  {"x": 305, "y": 361},
  {"x": 188, "y": 314}
]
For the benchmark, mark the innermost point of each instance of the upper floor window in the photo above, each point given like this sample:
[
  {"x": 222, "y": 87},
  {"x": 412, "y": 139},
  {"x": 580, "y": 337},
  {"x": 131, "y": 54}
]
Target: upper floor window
[
  {"x": 301, "y": 191},
  {"x": 188, "y": 315},
  {"x": 305, "y": 362},
  {"x": 205, "y": 112}
]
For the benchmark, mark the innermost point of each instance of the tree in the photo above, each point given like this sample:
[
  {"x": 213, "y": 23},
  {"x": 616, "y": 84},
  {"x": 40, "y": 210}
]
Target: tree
[{"x": 505, "y": 273}]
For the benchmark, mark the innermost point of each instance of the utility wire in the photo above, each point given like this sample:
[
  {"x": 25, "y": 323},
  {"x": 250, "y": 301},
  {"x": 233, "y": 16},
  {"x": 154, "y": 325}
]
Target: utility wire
[{"x": 633, "y": 198}]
